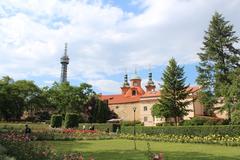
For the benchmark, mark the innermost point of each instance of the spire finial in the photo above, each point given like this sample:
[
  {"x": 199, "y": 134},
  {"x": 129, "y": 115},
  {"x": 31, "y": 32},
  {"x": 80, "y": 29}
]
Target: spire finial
[
  {"x": 149, "y": 68},
  {"x": 135, "y": 70},
  {"x": 65, "y": 50}
]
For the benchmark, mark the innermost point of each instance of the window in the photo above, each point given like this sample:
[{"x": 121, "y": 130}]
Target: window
[
  {"x": 135, "y": 84},
  {"x": 134, "y": 92},
  {"x": 145, "y": 108},
  {"x": 145, "y": 119},
  {"x": 117, "y": 107}
]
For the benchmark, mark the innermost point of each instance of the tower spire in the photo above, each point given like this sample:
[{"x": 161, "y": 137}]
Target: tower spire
[
  {"x": 64, "y": 61},
  {"x": 65, "y": 50},
  {"x": 126, "y": 84},
  {"x": 150, "y": 84}
]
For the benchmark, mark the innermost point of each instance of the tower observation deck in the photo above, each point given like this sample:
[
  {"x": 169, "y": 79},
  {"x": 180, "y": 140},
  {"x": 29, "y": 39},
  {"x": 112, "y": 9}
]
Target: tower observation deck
[{"x": 64, "y": 61}]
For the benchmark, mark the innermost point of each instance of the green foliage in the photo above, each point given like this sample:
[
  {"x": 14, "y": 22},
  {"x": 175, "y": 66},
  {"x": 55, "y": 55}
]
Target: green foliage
[
  {"x": 236, "y": 117},
  {"x": 166, "y": 124},
  {"x": 99, "y": 112},
  {"x": 66, "y": 98},
  {"x": 11, "y": 104},
  {"x": 231, "y": 130},
  {"x": 19, "y": 96},
  {"x": 207, "y": 99},
  {"x": 219, "y": 59},
  {"x": 130, "y": 123},
  {"x": 209, "y": 139},
  {"x": 71, "y": 120},
  {"x": 16, "y": 146},
  {"x": 56, "y": 121},
  {"x": 101, "y": 126},
  {"x": 201, "y": 120},
  {"x": 172, "y": 101}
]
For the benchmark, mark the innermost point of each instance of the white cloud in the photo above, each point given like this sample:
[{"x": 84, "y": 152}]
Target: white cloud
[
  {"x": 108, "y": 86},
  {"x": 103, "y": 39}
]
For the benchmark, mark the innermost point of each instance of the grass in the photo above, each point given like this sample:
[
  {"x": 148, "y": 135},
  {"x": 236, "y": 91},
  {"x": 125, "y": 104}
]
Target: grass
[
  {"x": 21, "y": 126},
  {"x": 123, "y": 150}
]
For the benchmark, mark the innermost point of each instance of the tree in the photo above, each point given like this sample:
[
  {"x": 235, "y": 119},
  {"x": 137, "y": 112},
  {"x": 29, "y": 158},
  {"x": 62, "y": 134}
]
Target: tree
[
  {"x": 30, "y": 93},
  {"x": 173, "y": 99},
  {"x": 99, "y": 112},
  {"x": 218, "y": 59},
  {"x": 67, "y": 98},
  {"x": 11, "y": 104}
]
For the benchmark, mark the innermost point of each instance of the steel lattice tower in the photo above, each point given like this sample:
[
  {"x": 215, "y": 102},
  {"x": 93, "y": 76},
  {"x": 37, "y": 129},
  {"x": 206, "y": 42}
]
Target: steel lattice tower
[{"x": 64, "y": 61}]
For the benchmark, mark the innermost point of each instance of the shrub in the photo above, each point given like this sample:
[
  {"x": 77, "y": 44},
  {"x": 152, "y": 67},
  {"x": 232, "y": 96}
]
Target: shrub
[
  {"x": 16, "y": 146},
  {"x": 209, "y": 139},
  {"x": 236, "y": 117},
  {"x": 42, "y": 116},
  {"x": 165, "y": 124},
  {"x": 204, "y": 120},
  {"x": 71, "y": 120},
  {"x": 231, "y": 130},
  {"x": 130, "y": 123},
  {"x": 56, "y": 121},
  {"x": 101, "y": 126},
  {"x": 186, "y": 123}
]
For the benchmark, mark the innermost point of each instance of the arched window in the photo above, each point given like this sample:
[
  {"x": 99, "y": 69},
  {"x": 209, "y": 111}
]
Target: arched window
[{"x": 134, "y": 92}]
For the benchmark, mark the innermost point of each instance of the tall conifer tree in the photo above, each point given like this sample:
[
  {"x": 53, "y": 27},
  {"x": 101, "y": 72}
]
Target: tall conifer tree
[
  {"x": 218, "y": 59},
  {"x": 173, "y": 99}
]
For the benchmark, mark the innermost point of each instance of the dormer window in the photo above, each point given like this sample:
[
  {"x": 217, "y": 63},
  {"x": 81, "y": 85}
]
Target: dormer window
[
  {"x": 134, "y": 92},
  {"x": 135, "y": 84}
]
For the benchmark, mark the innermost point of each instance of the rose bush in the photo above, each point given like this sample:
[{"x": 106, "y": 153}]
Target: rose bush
[{"x": 17, "y": 146}]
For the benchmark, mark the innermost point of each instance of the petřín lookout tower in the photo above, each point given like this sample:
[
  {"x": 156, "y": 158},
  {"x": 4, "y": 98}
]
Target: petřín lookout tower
[{"x": 64, "y": 61}]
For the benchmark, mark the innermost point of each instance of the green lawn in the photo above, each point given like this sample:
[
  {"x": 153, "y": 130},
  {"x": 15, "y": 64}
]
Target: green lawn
[{"x": 119, "y": 149}]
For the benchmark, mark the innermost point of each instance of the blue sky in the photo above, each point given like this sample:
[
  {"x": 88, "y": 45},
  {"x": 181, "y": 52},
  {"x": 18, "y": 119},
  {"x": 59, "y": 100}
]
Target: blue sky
[{"x": 105, "y": 38}]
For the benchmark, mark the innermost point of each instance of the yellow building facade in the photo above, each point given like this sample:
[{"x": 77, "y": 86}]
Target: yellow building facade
[{"x": 134, "y": 96}]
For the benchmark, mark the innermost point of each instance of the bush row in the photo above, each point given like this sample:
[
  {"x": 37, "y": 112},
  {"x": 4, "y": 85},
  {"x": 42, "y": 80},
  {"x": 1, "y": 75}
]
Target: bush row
[
  {"x": 231, "y": 130},
  {"x": 204, "y": 120},
  {"x": 131, "y": 123},
  {"x": 112, "y": 127},
  {"x": 210, "y": 139},
  {"x": 71, "y": 120}
]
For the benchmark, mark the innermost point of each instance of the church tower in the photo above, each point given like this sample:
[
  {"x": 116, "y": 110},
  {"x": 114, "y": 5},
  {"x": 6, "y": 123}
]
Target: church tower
[
  {"x": 150, "y": 84},
  {"x": 126, "y": 85},
  {"x": 64, "y": 61}
]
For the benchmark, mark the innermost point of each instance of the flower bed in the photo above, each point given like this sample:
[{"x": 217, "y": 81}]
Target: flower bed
[
  {"x": 210, "y": 139},
  {"x": 231, "y": 130},
  {"x": 71, "y": 134},
  {"x": 17, "y": 146},
  {"x": 78, "y": 131}
]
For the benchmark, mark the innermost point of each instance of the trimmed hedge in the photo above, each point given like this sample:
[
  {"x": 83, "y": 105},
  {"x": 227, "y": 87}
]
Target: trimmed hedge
[
  {"x": 71, "y": 120},
  {"x": 101, "y": 126},
  {"x": 204, "y": 120},
  {"x": 56, "y": 121},
  {"x": 131, "y": 123},
  {"x": 231, "y": 130}
]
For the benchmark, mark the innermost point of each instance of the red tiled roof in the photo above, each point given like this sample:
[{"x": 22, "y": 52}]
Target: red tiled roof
[
  {"x": 119, "y": 99},
  {"x": 128, "y": 98},
  {"x": 140, "y": 91},
  {"x": 151, "y": 94}
]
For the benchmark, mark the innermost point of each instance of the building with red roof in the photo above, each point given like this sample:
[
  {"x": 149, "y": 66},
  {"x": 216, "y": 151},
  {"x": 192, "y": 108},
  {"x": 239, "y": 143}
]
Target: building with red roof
[{"x": 134, "y": 96}]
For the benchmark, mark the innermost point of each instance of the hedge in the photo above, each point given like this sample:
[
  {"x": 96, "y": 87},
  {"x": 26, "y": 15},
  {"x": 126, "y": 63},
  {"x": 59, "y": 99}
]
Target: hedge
[
  {"x": 71, "y": 120},
  {"x": 230, "y": 130},
  {"x": 101, "y": 126},
  {"x": 56, "y": 121}
]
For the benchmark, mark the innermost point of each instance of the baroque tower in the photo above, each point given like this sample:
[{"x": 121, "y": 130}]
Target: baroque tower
[
  {"x": 150, "y": 84},
  {"x": 64, "y": 61}
]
